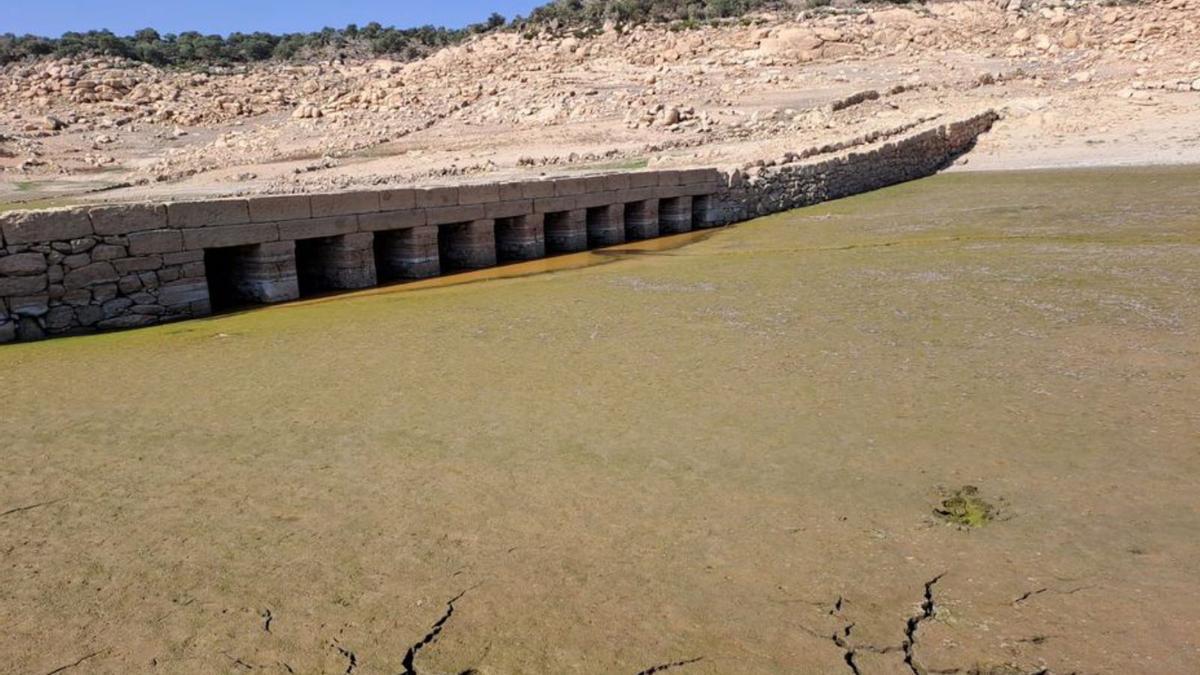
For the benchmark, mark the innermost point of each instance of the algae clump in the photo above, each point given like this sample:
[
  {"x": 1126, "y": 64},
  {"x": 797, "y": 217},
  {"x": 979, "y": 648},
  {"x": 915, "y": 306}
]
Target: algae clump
[{"x": 965, "y": 508}]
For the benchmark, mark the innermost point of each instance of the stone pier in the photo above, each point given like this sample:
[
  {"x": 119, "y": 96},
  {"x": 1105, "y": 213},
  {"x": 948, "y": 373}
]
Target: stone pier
[
  {"x": 566, "y": 231},
  {"x": 675, "y": 215},
  {"x": 705, "y": 212},
  {"x": 520, "y": 238},
  {"x": 252, "y": 274},
  {"x": 606, "y": 225},
  {"x": 467, "y": 246},
  {"x": 407, "y": 254},
  {"x": 343, "y": 262},
  {"x": 641, "y": 220}
]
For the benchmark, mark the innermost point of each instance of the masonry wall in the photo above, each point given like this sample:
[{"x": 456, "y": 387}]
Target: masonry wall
[
  {"x": 792, "y": 186},
  {"x": 78, "y": 270}
]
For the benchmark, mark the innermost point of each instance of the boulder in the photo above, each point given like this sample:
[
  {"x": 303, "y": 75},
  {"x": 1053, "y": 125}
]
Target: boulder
[{"x": 790, "y": 41}]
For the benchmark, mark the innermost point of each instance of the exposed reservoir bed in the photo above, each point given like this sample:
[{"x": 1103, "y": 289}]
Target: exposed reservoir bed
[{"x": 731, "y": 451}]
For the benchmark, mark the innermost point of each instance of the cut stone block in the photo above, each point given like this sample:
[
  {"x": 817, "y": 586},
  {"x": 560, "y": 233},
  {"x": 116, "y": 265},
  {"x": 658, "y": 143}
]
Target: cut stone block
[
  {"x": 344, "y": 203},
  {"x": 280, "y": 207},
  {"x": 29, "y": 227},
  {"x": 392, "y": 220},
  {"x": 208, "y": 213},
  {"x": 155, "y": 241},
  {"x": 121, "y": 219}
]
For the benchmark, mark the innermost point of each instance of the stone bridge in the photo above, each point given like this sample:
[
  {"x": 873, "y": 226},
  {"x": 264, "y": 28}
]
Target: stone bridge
[{"x": 82, "y": 269}]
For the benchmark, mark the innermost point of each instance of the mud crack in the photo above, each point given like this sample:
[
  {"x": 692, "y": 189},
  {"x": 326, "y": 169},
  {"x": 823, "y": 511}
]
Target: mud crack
[
  {"x": 410, "y": 656},
  {"x": 237, "y": 661},
  {"x": 837, "y": 605},
  {"x": 30, "y": 507},
  {"x": 77, "y": 663},
  {"x": 843, "y": 640},
  {"x": 350, "y": 656},
  {"x": 840, "y": 639},
  {"x": 1028, "y": 595},
  {"x": 667, "y": 666},
  {"x": 268, "y": 617},
  {"x": 928, "y": 609}
]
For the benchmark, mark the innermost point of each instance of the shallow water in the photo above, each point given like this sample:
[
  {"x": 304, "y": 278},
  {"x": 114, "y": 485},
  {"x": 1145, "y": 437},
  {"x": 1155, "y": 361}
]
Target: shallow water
[{"x": 687, "y": 452}]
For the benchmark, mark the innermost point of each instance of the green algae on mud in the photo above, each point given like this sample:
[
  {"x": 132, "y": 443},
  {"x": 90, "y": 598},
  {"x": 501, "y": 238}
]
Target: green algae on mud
[
  {"x": 965, "y": 508},
  {"x": 687, "y": 452}
]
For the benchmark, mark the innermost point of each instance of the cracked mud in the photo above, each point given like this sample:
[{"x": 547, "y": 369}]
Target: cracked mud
[
  {"x": 719, "y": 459},
  {"x": 410, "y": 656}
]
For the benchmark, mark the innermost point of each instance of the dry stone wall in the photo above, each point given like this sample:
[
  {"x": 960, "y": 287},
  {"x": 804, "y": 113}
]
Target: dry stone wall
[
  {"x": 789, "y": 186},
  {"x": 77, "y": 270}
]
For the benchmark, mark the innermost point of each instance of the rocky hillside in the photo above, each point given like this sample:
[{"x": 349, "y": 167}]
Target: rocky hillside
[{"x": 658, "y": 88}]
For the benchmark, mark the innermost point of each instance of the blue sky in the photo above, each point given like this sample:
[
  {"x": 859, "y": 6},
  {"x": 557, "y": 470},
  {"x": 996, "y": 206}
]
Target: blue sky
[{"x": 54, "y": 17}]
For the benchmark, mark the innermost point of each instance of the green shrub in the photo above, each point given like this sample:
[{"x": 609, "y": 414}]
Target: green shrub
[{"x": 191, "y": 49}]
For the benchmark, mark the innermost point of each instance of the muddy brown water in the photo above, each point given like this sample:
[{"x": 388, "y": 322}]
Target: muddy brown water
[{"x": 724, "y": 456}]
